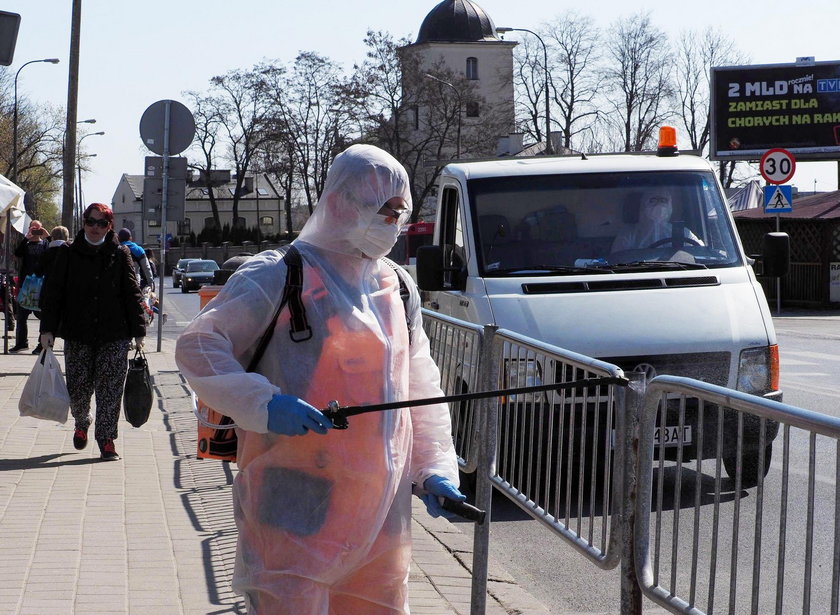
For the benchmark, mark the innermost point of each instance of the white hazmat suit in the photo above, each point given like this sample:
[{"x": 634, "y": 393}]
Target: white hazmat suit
[{"x": 324, "y": 520}]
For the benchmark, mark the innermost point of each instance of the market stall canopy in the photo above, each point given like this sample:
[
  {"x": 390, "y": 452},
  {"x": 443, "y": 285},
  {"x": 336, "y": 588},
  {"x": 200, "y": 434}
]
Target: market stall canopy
[{"x": 11, "y": 204}]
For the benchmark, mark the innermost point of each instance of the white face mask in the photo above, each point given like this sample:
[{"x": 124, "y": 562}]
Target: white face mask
[
  {"x": 659, "y": 213},
  {"x": 379, "y": 238}
]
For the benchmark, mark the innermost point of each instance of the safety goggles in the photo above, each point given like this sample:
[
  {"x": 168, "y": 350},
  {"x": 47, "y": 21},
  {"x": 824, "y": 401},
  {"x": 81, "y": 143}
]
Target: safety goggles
[
  {"x": 101, "y": 222},
  {"x": 394, "y": 216}
]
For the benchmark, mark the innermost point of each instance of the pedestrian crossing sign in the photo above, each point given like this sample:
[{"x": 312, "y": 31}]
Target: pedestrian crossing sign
[{"x": 778, "y": 199}]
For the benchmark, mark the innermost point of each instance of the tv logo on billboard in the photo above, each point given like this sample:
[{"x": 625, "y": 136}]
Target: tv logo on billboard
[{"x": 828, "y": 85}]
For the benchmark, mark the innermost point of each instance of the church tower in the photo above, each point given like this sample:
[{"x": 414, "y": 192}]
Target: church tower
[{"x": 459, "y": 36}]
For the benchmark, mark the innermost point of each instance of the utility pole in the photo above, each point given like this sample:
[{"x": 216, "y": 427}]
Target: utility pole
[{"x": 69, "y": 162}]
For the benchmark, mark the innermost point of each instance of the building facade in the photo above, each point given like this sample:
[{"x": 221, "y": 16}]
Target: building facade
[{"x": 262, "y": 207}]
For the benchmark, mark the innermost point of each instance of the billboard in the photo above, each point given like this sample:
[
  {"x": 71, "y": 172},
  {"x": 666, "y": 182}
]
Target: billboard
[{"x": 793, "y": 106}]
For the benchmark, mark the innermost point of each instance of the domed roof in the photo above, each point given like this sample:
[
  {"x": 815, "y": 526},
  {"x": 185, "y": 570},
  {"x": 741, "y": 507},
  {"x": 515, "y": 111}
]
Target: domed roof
[{"x": 461, "y": 21}]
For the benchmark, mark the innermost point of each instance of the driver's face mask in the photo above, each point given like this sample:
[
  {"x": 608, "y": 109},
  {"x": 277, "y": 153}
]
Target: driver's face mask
[{"x": 658, "y": 209}]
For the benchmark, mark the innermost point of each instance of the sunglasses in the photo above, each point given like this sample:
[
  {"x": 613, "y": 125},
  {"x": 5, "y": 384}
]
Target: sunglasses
[
  {"x": 101, "y": 222},
  {"x": 396, "y": 215}
]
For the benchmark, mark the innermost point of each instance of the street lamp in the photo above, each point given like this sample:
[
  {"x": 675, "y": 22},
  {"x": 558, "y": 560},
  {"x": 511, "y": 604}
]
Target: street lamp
[
  {"x": 458, "y": 94},
  {"x": 80, "y": 207},
  {"x": 548, "y": 148},
  {"x": 15, "y": 115}
]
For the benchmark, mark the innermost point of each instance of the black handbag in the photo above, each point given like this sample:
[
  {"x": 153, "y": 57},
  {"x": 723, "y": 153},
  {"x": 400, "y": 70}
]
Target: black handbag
[{"x": 137, "y": 396}]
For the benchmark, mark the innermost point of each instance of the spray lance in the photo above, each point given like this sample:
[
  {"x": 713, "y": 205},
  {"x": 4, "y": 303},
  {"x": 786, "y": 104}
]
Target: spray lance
[{"x": 338, "y": 415}]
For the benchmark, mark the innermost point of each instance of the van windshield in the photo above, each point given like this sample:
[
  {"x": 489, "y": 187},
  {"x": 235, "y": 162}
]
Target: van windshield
[{"x": 573, "y": 223}]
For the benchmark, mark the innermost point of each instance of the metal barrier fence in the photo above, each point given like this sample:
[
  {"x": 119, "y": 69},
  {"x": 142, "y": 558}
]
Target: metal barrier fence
[
  {"x": 455, "y": 348},
  {"x": 584, "y": 463},
  {"x": 555, "y": 450},
  {"x": 554, "y": 454},
  {"x": 706, "y": 543}
]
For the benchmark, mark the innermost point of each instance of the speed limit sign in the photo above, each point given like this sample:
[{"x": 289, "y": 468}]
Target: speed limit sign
[{"x": 777, "y": 165}]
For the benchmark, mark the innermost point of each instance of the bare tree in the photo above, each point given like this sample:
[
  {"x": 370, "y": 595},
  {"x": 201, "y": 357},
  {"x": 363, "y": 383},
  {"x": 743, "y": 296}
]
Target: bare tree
[
  {"x": 529, "y": 87},
  {"x": 696, "y": 54},
  {"x": 207, "y": 125},
  {"x": 573, "y": 42},
  {"x": 637, "y": 80},
  {"x": 375, "y": 95},
  {"x": 306, "y": 110},
  {"x": 244, "y": 114},
  {"x": 39, "y": 149}
]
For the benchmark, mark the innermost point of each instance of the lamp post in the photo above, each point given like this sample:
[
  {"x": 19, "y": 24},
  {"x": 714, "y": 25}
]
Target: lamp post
[
  {"x": 458, "y": 94},
  {"x": 80, "y": 207},
  {"x": 7, "y": 232},
  {"x": 548, "y": 148},
  {"x": 15, "y": 114}
]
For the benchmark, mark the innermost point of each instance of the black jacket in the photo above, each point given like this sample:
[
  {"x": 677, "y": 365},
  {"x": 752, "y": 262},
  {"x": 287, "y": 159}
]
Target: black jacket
[
  {"x": 29, "y": 253},
  {"x": 91, "y": 294}
]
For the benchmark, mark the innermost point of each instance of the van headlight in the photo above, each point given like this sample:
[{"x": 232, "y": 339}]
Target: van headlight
[
  {"x": 523, "y": 373},
  {"x": 758, "y": 370}
]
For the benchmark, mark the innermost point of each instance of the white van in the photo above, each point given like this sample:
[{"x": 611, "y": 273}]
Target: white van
[{"x": 629, "y": 258}]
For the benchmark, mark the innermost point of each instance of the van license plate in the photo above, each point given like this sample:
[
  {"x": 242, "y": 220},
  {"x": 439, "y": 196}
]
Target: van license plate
[{"x": 670, "y": 435}]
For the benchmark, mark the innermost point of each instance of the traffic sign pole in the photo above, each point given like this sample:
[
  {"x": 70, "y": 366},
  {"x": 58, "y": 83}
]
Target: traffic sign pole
[
  {"x": 167, "y": 126},
  {"x": 164, "y": 201},
  {"x": 777, "y": 166}
]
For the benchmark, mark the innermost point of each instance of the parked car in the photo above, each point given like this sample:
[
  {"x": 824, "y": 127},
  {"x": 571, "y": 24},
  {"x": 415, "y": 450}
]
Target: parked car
[
  {"x": 197, "y": 274},
  {"x": 178, "y": 270}
]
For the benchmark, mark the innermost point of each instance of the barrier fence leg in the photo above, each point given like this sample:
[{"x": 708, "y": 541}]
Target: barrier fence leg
[
  {"x": 631, "y": 593},
  {"x": 487, "y": 414}
]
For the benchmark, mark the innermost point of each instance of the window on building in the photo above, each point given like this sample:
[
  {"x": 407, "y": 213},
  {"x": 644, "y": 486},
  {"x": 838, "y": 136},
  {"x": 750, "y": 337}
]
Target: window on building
[
  {"x": 416, "y": 110},
  {"x": 472, "y": 108},
  {"x": 184, "y": 227},
  {"x": 153, "y": 222},
  {"x": 262, "y": 191},
  {"x": 210, "y": 222},
  {"x": 472, "y": 68},
  {"x": 266, "y": 220}
]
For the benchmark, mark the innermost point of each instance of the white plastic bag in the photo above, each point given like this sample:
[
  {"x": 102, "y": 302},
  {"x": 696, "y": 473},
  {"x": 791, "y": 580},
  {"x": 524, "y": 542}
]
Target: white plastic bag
[{"x": 45, "y": 393}]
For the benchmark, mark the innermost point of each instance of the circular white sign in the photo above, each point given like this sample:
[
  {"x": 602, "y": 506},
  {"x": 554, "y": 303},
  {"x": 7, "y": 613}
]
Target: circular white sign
[{"x": 777, "y": 165}]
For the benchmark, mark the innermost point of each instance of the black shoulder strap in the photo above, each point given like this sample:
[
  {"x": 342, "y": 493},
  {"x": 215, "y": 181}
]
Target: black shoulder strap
[
  {"x": 292, "y": 292},
  {"x": 405, "y": 294},
  {"x": 299, "y": 329}
]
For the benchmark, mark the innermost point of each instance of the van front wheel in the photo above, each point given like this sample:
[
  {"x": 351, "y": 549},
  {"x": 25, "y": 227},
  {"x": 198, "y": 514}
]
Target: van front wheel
[{"x": 749, "y": 466}]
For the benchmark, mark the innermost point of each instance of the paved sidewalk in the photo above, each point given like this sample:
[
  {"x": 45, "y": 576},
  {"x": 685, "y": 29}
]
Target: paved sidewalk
[{"x": 154, "y": 533}]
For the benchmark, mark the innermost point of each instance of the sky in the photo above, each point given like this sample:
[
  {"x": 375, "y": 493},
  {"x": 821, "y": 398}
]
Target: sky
[{"x": 135, "y": 53}]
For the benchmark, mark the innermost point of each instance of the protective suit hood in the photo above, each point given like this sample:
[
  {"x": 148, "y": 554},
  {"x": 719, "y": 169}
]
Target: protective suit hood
[{"x": 360, "y": 181}]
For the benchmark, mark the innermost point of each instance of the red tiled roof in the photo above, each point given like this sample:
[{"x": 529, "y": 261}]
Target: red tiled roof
[{"x": 823, "y": 206}]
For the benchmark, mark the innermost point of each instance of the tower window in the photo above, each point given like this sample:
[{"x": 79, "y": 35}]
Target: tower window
[
  {"x": 472, "y": 68},
  {"x": 472, "y": 108}
]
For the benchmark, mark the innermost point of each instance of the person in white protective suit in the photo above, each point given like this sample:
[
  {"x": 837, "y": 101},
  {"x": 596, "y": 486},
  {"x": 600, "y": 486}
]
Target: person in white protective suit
[
  {"x": 323, "y": 514},
  {"x": 654, "y": 226}
]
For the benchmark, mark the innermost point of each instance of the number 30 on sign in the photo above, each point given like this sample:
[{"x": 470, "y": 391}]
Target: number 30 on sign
[{"x": 777, "y": 165}]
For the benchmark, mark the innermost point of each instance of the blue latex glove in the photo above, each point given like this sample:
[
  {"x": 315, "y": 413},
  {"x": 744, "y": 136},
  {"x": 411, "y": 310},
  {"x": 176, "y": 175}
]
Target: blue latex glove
[
  {"x": 440, "y": 487},
  {"x": 291, "y": 416}
]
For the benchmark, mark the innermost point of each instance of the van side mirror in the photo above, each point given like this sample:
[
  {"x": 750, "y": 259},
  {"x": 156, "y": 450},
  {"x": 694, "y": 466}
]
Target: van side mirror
[
  {"x": 776, "y": 255},
  {"x": 430, "y": 268}
]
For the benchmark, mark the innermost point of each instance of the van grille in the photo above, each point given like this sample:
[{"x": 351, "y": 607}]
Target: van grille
[{"x": 711, "y": 367}]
